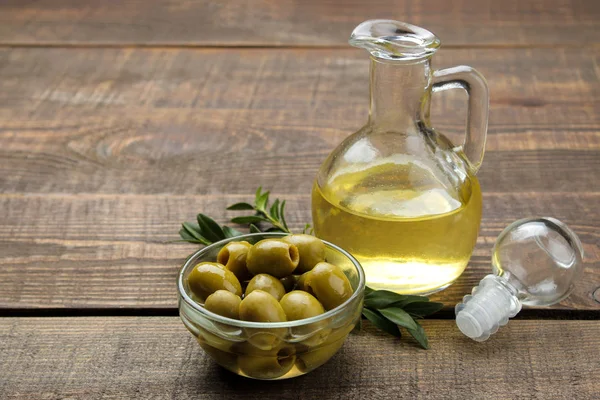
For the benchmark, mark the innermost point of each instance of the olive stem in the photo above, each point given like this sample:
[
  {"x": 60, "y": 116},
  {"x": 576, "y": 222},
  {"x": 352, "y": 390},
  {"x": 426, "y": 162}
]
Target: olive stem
[{"x": 273, "y": 221}]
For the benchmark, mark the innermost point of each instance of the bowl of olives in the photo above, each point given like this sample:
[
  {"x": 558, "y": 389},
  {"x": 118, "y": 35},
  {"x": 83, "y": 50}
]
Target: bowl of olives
[{"x": 271, "y": 305}]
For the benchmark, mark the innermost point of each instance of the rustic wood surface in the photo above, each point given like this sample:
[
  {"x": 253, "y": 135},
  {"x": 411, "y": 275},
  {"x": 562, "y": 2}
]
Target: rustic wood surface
[
  {"x": 121, "y": 119},
  {"x": 106, "y": 151},
  {"x": 292, "y": 22},
  {"x": 99, "y": 358},
  {"x": 109, "y": 251}
]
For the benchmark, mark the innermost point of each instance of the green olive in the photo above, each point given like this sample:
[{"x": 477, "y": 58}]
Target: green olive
[
  {"x": 271, "y": 367},
  {"x": 233, "y": 257},
  {"x": 260, "y": 342},
  {"x": 248, "y": 349},
  {"x": 341, "y": 333},
  {"x": 314, "y": 334},
  {"x": 208, "y": 277},
  {"x": 274, "y": 257},
  {"x": 266, "y": 283},
  {"x": 224, "y": 303},
  {"x": 298, "y": 304},
  {"x": 260, "y": 306},
  {"x": 212, "y": 340},
  {"x": 223, "y": 358},
  {"x": 329, "y": 284},
  {"x": 265, "y": 339},
  {"x": 317, "y": 356},
  {"x": 311, "y": 249},
  {"x": 289, "y": 282},
  {"x": 303, "y": 283}
]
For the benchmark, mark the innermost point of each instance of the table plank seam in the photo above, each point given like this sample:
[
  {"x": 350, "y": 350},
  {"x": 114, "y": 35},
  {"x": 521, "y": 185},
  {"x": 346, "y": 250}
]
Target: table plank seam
[
  {"x": 445, "y": 314},
  {"x": 276, "y": 46}
]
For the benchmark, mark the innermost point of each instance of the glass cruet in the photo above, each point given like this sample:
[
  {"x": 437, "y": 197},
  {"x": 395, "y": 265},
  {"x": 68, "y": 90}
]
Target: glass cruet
[{"x": 398, "y": 194}]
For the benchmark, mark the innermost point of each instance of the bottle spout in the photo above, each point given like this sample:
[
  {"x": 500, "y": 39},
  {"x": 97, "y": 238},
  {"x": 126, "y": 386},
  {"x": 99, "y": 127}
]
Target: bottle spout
[{"x": 394, "y": 40}]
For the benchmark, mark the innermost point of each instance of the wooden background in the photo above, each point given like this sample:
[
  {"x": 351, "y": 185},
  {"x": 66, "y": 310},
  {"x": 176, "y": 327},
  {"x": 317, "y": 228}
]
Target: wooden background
[{"x": 119, "y": 120}]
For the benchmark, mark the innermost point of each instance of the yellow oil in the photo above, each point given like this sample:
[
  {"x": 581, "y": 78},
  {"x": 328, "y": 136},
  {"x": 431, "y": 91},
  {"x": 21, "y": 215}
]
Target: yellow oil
[{"x": 412, "y": 231}]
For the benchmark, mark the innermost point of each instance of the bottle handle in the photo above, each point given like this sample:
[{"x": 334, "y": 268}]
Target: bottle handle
[{"x": 467, "y": 78}]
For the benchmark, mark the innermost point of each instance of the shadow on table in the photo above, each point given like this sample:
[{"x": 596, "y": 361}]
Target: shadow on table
[
  {"x": 336, "y": 373},
  {"x": 341, "y": 377}
]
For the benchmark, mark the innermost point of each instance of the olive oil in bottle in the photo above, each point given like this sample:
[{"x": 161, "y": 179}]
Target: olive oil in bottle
[
  {"x": 398, "y": 194},
  {"x": 415, "y": 236}
]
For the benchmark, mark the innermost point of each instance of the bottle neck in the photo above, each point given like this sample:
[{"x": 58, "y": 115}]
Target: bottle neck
[{"x": 400, "y": 94}]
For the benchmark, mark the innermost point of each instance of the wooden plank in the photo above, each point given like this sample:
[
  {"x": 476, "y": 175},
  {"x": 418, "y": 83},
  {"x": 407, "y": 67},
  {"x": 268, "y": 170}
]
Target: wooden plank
[
  {"x": 193, "y": 152},
  {"x": 111, "y": 251},
  {"x": 165, "y": 123},
  {"x": 98, "y": 79},
  {"x": 97, "y": 358},
  {"x": 171, "y": 121},
  {"x": 292, "y": 22}
]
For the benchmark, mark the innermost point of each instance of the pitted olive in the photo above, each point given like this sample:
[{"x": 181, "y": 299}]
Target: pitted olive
[
  {"x": 298, "y": 304},
  {"x": 311, "y": 249},
  {"x": 233, "y": 257},
  {"x": 260, "y": 306},
  {"x": 315, "y": 357},
  {"x": 266, "y": 283},
  {"x": 266, "y": 367},
  {"x": 329, "y": 285},
  {"x": 303, "y": 283},
  {"x": 208, "y": 277},
  {"x": 224, "y": 303},
  {"x": 301, "y": 305},
  {"x": 274, "y": 257}
]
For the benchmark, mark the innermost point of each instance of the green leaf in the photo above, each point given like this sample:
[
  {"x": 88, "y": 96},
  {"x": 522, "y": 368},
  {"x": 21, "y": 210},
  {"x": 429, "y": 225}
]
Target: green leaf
[
  {"x": 241, "y": 206},
  {"x": 385, "y": 298},
  {"x": 382, "y": 299},
  {"x": 257, "y": 195},
  {"x": 254, "y": 229},
  {"x": 193, "y": 231},
  {"x": 399, "y": 317},
  {"x": 419, "y": 334},
  {"x": 274, "y": 211},
  {"x": 185, "y": 235},
  {"x": 382, "y": 323},
  {"x": 423, "y": 309},
  {"x": 409, "y": 299},
  {"x": 282, "y": 214},
  {"x": 210, "y": 229},
  {"x": 230, "y": 232},
  {"x": 368, "y": 290},
  {"x": 262, "y": 201},
  {"x": 250, "y": 219},
  {"x": 275, "y": 229}
]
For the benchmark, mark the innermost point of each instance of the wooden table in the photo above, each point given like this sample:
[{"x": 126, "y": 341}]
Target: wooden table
[{"x": 120, "y": 120}]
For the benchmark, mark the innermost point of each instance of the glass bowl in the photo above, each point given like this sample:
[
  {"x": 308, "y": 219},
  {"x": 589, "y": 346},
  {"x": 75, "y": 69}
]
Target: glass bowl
[{"x": 275, "y": 350}]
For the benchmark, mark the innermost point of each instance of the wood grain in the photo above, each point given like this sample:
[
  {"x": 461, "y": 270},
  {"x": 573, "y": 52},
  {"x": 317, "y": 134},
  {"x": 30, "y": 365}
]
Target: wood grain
[
  {"x": 292, "y": 22},
  {"x": 110, "y": 251},
  {"x": 174, "y": 121},
  {"x": 97, "y": 358},
  {"x": 119, "y": 120},
  {"x": 105, "y": 151}
]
